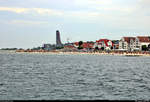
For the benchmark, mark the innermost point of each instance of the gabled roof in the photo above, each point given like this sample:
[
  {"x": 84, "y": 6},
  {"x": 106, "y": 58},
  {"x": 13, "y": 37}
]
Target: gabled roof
[
  {"x": 105, "y": 41},
  {"x": 127, "y": 39},
  {"x": 69, "y": 46},
  {"x": 88, "y": 45},
  {"x": 85, "y": 44},
  {"x": 144, "y": 38}
]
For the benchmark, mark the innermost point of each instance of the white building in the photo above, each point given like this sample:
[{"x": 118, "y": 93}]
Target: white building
[
  {"x": 134, "y": 43},
  {"x": 127, "y": 43},
  {"x": 103, "y": 43},
  {"x": 142, "y": 40}
]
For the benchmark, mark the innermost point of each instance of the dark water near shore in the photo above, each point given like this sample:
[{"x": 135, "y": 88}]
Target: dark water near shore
[{"x": 73, "y": 77}]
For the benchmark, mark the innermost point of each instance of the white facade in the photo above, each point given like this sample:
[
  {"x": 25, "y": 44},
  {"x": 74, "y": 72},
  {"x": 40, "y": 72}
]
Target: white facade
[
  {"x": 123, "y": 44},
  {"x": 132, "y": 44},
  {"x": 103, "y": 43},
  {"x": 127, "y": 45},
  {"x": 139, "y": 43}
]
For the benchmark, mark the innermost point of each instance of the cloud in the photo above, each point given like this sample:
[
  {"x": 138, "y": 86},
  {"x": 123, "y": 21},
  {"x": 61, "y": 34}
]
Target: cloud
[
  {"x": 16, "y": 10},
  {"x": 143, "y": 7},
  {"x": 144, "y": 3},
  {"x": 28, "y": 22},
  {"x": 116, "y": 9},
  {"x": 43, "y": 11},
  {"x": 92, "y": 2},
  {"x": 52, "y": 12},
  {"x": 105, "y": 6},
  {"x": 109, "y": 12},
  {"x": 24, "y": 22},
  {"x": 84, "y": 15},
  {"x": 40, "y": 11}
]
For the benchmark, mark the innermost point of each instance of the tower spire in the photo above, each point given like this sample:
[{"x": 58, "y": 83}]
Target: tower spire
[{"x": 58, "y": 40}]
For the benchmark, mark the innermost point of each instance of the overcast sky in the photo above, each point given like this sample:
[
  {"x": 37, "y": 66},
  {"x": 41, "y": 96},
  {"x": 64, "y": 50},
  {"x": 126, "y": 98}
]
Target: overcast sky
[{"x": 31, "y": 23}]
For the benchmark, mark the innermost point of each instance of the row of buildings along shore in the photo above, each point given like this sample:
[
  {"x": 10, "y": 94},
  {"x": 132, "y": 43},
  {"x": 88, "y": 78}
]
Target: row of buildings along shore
[
  {"x": 130, "y": 44},
  {"x": 139, "y": 43}
]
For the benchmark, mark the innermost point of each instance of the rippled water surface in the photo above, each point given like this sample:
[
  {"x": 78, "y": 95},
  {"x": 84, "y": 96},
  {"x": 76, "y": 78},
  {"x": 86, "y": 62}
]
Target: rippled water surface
[{"x": 73, "y": 77}]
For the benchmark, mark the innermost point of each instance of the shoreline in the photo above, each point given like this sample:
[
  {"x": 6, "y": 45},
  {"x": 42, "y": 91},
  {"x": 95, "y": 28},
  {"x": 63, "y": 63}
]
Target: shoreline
[
  {"x": 91, "y": 53},
  {"x": 84, "y": 53}
]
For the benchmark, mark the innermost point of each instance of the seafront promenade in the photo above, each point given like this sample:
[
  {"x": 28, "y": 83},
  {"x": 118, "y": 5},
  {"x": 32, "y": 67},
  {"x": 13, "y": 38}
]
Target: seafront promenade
[{"x": 91, "y": 53}]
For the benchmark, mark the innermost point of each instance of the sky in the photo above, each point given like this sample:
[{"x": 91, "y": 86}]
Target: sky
[{"x": 31, "y": 23}]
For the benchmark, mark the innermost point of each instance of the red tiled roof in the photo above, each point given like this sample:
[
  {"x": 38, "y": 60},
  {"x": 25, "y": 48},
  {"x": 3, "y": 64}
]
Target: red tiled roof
[
  {"x": 144, "y": 38},
  {"x": 127, "y": 39},
  {"x": 76, "y": 43},
  {"x": 69, "y": 46},
  {"x": 85, "y": 44},
  {"x": 105, "y": 41}
]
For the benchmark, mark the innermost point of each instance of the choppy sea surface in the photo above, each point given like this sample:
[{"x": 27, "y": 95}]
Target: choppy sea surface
[{"x": 26, "y": 76}]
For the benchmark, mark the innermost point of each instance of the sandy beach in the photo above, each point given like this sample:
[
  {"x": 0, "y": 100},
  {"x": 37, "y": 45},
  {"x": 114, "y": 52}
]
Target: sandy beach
[{"x": 94, "y": 53}]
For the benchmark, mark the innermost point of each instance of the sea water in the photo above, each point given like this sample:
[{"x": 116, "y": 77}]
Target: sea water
[{"x": 30, "y": 76}]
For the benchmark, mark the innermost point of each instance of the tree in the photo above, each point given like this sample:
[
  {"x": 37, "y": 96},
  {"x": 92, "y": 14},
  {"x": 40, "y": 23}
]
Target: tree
[
  {"x": 102, "y": 48},
  {"x": 144, "y": 48},
  {"x": 149, "y": 47},
  {"x": 61, "y": 47},
  {"x": 96, "y": 49},
  {"x": 111, "y": 47},
  {"x": 80, "y": 45}
]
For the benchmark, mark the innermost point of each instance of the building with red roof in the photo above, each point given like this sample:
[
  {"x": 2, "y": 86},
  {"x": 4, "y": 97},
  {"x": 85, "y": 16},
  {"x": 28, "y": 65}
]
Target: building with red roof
[
  {"x": 142, "y": 40},
  {"x": 134, "y": 43},
  {"x": 105, "y": 43},
  {"x": 127, "y": 43},
  {"x": 69, "y": 46},
  {"x": 86, "y": 45}
]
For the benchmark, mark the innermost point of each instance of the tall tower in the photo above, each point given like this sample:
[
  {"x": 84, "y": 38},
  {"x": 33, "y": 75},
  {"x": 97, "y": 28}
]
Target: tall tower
[{"x": 58, "y": 41}]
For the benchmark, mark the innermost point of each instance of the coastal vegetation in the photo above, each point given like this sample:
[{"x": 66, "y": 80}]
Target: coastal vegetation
[
  {"x": 60, "y": 47},
  {"x": 80, "y": 45},
  {"x": 145, "y": 48},
  {"x": 9, "y": 48}
]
